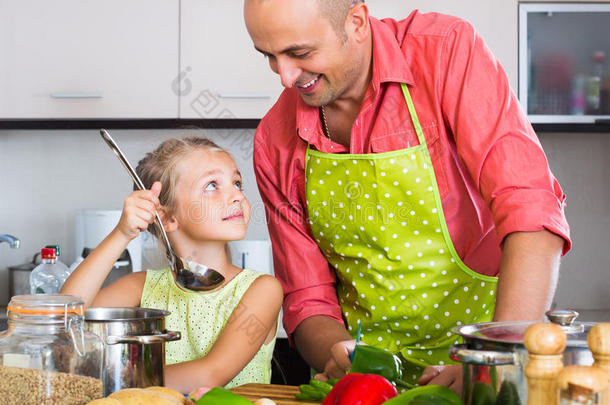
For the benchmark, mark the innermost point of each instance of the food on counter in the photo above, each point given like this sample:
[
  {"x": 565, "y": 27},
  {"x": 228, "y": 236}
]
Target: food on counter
[
  {"x": 361, "y": 389},
  {"x": 315, "y": 390},
  {"x": 373, "y": 360},
  {"x": 139, "y": 396},
  {"x": 508, "y": 394},
  {"x": 173, "y": 393},
  {"x": 29, "y": 386},
  {"x": 427, "y": 394},
  {"x": 220, "y": 395},
  {"x": 264, "y": 401},
  {"x": 104, "y": 401}
]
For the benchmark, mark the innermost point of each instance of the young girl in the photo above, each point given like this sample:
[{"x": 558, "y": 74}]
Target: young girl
[{"x": 228, "y": 333}]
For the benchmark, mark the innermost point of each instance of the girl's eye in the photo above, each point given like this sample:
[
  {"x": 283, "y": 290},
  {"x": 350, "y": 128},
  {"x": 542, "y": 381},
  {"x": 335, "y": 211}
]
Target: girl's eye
[
  {"x": 238, "y": 185},
  {"x": 211, "y": 186}
]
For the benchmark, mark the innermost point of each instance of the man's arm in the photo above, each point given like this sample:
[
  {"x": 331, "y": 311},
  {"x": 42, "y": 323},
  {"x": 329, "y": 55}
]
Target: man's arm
[
  {"x": 323, "y": 344},
  {"x": 528, "y": 275}
]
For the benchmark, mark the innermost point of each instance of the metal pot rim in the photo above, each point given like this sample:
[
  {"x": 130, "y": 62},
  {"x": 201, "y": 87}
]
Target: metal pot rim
[
  {"x": 576, "y": 333},
  {"x": 101, "y": 314}
]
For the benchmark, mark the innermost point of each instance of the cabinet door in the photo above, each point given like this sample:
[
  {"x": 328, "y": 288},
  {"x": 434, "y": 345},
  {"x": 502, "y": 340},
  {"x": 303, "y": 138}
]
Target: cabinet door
[
  {"x": 88, "y": 59},
  {"x": 222, "y": 75},
  {"x": 496, "y": 21}
]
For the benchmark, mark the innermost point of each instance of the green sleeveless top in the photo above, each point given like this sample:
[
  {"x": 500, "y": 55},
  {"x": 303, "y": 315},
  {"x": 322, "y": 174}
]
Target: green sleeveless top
[{"x": 201, "y": 318}]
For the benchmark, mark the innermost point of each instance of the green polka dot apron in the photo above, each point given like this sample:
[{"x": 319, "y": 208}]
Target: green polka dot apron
[{"x": 379, "y": 221}]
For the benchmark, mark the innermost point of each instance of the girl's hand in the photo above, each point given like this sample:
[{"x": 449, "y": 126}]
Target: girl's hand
[{"x": 139, "y": 211}]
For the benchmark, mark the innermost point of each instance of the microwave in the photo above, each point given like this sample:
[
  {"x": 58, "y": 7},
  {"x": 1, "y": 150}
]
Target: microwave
[{"x": 564, "y": 62}]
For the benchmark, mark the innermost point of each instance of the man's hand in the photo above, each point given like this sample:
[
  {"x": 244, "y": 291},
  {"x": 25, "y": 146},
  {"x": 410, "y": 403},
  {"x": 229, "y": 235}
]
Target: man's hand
[
  {"x": 339, "y": 364},
  {"x": 449, "y": 376}
]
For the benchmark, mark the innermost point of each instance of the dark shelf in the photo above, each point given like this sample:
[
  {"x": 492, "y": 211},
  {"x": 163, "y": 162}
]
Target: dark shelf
[
  {"x": 597, "y": 127},
  {"x": 214, "y": 123}
]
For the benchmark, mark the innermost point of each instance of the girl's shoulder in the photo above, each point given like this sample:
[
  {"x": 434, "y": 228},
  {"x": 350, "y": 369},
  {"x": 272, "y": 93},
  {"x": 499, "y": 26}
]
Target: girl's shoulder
[{"x": 263, "y": 283}]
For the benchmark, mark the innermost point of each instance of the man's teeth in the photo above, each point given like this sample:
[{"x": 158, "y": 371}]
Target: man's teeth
[{"x": 306, "y": 85}]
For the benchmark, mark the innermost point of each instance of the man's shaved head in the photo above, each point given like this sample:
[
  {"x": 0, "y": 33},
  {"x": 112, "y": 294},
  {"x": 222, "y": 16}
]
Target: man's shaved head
[{"x": 336, "y": 12}]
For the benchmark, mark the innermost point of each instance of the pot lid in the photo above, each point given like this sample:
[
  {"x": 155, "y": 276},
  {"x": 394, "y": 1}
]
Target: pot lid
[{"x": 511, "y": 333}]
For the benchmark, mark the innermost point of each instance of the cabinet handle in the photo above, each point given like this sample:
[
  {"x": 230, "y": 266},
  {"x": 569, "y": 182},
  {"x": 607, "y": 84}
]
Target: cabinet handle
[
  {"x": 76, "y": 95},
  {"x": 244, "y": 95}
]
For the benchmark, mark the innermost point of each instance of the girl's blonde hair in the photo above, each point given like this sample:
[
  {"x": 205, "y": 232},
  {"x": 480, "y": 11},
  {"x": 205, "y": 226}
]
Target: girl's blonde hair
[{"x": 160, "y": 165}]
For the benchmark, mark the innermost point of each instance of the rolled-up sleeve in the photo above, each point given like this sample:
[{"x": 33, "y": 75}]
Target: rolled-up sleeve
[
  {"x": 495, "y": 141},
  {"x": 300, "y": 266}
]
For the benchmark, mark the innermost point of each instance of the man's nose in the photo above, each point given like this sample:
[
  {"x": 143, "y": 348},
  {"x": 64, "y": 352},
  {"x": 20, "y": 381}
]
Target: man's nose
[{"x": 288, "y": 71}]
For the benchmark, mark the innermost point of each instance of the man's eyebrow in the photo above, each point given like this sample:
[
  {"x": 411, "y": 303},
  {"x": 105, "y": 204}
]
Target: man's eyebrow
[{"x": 289, "y": 49}]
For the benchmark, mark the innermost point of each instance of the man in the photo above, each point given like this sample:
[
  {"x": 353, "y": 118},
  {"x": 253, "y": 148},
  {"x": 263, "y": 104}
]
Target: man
[{"x": 400, "y": 177}]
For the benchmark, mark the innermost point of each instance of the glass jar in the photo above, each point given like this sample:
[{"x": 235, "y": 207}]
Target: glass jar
[{"x": 46, "y": 357}]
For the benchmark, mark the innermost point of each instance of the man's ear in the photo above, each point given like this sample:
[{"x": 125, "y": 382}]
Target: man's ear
[
  {"x": 357, "y": 22},
  {"x": 170, "y": 223}
]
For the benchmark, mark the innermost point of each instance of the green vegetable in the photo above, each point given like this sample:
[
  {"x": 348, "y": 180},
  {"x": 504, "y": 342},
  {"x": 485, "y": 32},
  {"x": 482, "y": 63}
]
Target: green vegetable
[
  {"x": 431, "y": 399},
  {"x": 310, "y": 392},
  {"x": 483, "y": 394},
  {"x": 439, "y": 391},
  {"x": 316, "y": 389},
  {"x": 508, "y": 394},
  {"x": 373, "y": 360},
  {"x": 220, "y": 395},
  {"x": 466, "y": 382}
]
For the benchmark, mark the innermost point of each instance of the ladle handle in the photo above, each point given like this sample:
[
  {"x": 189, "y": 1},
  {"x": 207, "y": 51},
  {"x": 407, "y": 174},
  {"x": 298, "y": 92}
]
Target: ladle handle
[{"x": 136, "y": 179}]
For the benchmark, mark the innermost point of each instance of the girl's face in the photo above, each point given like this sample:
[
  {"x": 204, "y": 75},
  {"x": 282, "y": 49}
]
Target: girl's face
[{"x": 210, "y": 204}]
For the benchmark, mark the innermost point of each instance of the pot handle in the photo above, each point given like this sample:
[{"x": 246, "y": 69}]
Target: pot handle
[
  {"x": 166, "y": 336},
  {"x": 463, "y": 354}
]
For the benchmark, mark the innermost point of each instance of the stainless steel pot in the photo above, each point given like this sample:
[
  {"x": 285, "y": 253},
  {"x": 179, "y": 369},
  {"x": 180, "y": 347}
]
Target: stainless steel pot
[
  {"x": 493, "y": 353},
  {"x": 134, "y": 345}
]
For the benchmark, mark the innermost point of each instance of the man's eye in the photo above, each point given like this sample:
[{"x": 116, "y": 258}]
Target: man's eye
[
  {"x": 238, "y": 185},
  {"x": 302, "y": 55},
  {"x": 210, "y": 187}
]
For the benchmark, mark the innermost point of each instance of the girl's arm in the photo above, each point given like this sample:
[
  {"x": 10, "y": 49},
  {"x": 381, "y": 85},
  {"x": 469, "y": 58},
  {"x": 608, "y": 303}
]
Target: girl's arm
[
  {"x": 87, "y": 279},
  {"x": 252, "y": 323}
]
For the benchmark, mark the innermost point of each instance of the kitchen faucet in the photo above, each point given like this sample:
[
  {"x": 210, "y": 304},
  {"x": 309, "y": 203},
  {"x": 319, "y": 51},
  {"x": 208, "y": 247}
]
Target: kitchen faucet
[{"x": 11, "y": 240}]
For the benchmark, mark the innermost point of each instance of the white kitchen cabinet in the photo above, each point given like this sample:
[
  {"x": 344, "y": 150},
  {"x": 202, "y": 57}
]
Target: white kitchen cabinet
[
  {"x": 222, "y": 75},
  {"x": 88, "y": 59},
  {"x": 495, "y": 20}
]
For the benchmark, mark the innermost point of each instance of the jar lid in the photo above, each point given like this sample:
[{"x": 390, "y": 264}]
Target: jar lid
[{"x": 46, "y": 304}]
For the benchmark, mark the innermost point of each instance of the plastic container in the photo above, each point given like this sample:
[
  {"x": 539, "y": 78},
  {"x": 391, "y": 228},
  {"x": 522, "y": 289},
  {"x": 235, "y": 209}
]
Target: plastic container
[
  {"x": 46, "y": 355},
  {"x": 50, "y": 275}
]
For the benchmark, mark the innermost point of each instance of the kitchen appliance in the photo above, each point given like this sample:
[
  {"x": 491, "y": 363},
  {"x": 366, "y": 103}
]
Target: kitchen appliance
[
  {"x": 252, "y": 254},
  {"x": 19, "y": 277},
  {"x": 134, "y": 345},
  {"x": 92, "y": 226},
  {"x": 494, "y": 353}
]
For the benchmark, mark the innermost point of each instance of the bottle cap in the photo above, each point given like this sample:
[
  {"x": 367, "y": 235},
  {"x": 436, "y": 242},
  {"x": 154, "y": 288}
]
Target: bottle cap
[
  {"x": 48, "y": 253},
  {"x": 56, "y": 247}
]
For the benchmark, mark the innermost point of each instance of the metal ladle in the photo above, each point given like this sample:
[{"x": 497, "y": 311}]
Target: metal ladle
[{"x": 202, "y": 278}]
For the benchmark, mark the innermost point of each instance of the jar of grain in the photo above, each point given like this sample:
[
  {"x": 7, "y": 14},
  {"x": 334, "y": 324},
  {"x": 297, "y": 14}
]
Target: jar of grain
[{"x": 46, "y": 356}]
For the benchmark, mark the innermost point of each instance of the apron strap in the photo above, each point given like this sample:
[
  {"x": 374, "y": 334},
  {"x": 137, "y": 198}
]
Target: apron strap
[{"x": 414, "y": 119}]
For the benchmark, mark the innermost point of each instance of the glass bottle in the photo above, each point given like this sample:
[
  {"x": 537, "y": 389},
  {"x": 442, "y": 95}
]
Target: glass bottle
[
  {"x": 594, "y": 84},
  {"x": 581, "y": 385},
  {"x": 46, "y": 357}
]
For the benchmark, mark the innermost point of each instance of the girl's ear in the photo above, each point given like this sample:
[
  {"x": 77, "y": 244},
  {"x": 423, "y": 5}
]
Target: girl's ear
[{"x": 170, "y": 223}]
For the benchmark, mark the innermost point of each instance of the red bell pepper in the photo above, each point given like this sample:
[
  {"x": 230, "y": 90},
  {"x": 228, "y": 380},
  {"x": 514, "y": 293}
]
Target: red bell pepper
[{"x": 360, "y": 389}]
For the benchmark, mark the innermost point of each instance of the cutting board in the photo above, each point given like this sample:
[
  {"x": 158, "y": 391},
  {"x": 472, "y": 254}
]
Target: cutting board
[{"x": 281, "y": 394}]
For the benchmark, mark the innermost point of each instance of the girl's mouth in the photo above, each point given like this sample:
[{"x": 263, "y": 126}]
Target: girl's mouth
[{"x": 238, "y": 216}]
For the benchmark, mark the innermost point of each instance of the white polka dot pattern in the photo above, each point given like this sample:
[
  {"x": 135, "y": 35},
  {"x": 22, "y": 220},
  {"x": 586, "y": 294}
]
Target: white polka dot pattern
[
  {"x": 385, "y": 236},
  {"x": 201, "y": 317}
]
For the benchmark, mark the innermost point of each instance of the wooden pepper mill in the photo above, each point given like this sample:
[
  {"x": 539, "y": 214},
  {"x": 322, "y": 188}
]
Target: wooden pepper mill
[
  {"x": 581, "y": 384},
  {"x": 598, "y": 340},
  {"x": 545, "y": 343}
]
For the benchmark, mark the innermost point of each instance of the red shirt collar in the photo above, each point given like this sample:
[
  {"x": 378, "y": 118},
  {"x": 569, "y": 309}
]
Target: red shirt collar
[{"x": 389, "y": 65}]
